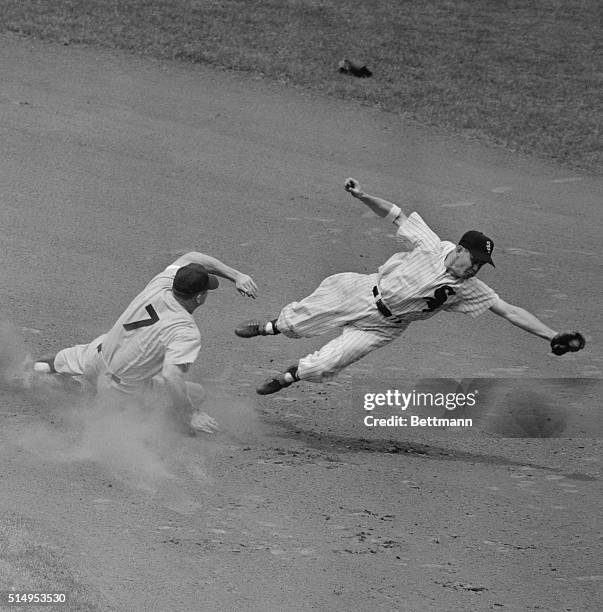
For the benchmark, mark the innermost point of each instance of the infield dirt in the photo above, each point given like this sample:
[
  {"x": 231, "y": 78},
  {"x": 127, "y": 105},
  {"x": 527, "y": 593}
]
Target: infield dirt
[{"x": 112, "y": 166}]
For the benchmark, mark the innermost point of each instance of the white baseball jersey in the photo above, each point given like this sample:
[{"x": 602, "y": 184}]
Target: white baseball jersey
[
  {"x": 414, "y": 283},
  {"x": 153, "y": 330}
]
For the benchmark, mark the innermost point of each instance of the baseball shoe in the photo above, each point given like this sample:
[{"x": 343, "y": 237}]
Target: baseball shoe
[
  {"x": 30, "y": 374},
  {"x": 44, "y": 365},
  {"x": 276, "y": 383},
  {"x": 249, "y": 329}
]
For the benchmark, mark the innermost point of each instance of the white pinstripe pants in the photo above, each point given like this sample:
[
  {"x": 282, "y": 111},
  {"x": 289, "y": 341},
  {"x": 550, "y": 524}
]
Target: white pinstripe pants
[{"x": 341, "y": 301}]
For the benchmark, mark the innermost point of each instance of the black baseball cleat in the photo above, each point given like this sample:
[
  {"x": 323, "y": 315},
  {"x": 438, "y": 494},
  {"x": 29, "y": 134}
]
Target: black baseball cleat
[
  {"x": 276, "y": 383},
  {"x": 249, "y": 329},
  {"x": 272, "y": 385}
]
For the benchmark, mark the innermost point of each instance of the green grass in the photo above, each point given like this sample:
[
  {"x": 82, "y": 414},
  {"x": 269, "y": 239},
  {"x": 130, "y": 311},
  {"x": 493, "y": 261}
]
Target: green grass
[{"x": 523, "y": 73}]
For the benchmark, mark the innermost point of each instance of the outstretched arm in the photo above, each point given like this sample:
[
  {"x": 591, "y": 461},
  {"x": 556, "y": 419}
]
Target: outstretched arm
[
  {"x": 175, "y": 385},
  {"x": 561, "y": 342},
  {"x": 381, "y": 207},
  {"x": 245, "y": 284},
  {"x": 173, "y": 379},
  {"x": 523, "y": 319}
]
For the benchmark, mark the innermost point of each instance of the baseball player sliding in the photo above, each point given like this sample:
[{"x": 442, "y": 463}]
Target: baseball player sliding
[
  {"x": 156, "y": 339},
  {"x": 428, "y": 276}
]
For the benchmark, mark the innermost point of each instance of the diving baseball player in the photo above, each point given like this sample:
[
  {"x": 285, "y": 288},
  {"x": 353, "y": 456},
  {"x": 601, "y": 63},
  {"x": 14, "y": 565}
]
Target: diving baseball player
[
  {"x": 155, "y": 340},
  {"x": 426, "y": 277}
]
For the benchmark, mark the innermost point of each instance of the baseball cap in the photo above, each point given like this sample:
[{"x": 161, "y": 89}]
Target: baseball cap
[
  {"x": 479, "y": 245},
  {"x": 192, "y": 279}
]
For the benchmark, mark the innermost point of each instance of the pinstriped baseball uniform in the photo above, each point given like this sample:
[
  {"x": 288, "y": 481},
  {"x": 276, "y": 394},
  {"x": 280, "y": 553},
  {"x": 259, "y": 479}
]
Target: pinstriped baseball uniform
[
  {"x": 153, "y": 330},
  {"x": 411, "y": 285}
]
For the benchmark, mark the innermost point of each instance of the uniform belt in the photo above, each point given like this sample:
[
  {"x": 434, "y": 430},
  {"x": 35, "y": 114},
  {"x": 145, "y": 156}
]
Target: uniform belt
[
  {"x": 115, "y": 379},
  {"x": 381, "y": 307}
]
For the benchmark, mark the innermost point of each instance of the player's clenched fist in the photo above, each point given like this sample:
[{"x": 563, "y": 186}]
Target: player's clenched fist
[
  {"x": 353, "y": 186},
  {"x": 246, "y": 286}
]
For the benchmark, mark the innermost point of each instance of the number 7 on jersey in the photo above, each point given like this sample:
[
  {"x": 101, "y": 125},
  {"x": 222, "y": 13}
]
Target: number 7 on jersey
[{"x": 153, "y": 318}]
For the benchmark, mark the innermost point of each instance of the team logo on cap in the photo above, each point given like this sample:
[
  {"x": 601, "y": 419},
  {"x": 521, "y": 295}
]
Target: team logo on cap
[{"x": 488, "y": 247}]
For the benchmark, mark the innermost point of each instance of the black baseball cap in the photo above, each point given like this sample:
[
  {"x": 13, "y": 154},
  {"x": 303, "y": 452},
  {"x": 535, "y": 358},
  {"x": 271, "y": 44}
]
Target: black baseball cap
[
  {"x": 479, "y": 245},
  {"x": 192, "y": 279}
]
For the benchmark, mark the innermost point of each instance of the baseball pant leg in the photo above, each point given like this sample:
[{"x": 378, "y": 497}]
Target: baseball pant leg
[
  {"x": 350, "y": 346},
  {"x": 79, "y": 360},
  {"x": 337, "y": 301}
]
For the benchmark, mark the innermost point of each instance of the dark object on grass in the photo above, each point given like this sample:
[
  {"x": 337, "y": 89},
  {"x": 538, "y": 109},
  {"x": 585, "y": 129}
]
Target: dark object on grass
[{"x": 354, "y": 68}]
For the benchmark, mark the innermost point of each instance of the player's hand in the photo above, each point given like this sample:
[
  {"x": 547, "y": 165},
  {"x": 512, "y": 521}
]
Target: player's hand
[
  {"x": 352, "y": 186},
  {"x": 201, "y": 421},
  {"x": 246, "y": 286}
]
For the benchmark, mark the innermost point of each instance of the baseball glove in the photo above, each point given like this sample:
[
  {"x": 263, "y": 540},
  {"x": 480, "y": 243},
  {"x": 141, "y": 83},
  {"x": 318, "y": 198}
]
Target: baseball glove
[{"x": 564, "y": 342}]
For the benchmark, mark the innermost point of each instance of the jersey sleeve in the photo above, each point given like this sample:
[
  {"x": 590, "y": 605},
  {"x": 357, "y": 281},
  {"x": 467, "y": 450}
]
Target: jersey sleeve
[
  {"x": 182, "y": 346},
  {"x": 414, "y": 231},
  {"x": 475, "y": 298}
]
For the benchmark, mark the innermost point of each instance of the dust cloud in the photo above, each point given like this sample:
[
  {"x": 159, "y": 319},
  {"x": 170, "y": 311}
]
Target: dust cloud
[{"x": 141, "y": 441}]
